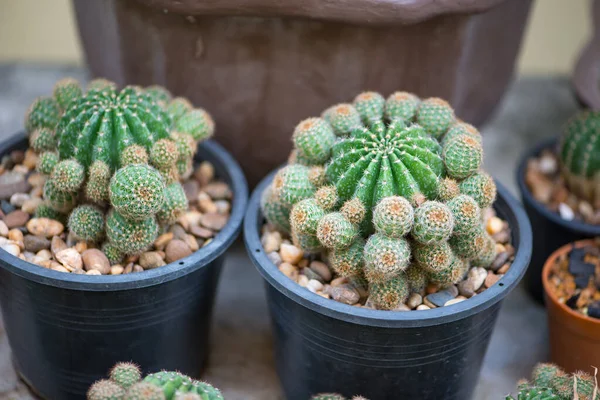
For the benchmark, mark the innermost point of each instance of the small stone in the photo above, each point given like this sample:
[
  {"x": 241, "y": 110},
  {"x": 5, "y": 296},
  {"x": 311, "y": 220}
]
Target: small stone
[
  {"x": 500, "y": 260},
  {"x": 11, "y": 248},
  {"x": 18, "y": 199},
  {"x": 339, "y": 281},
  {"x": 314, "y": 285},
  {"x": 17, "y": 156},
  {"x": 402, "y": 307},
  {"x": 138, "y": 268},
  {"x": 13, "y": 182},
  {"x": 440, "y": 298},
  {"x": 289, "y": 270},
  {"x": 191, "y": 241},
  {"x": 177, "y": 249},
  {"x": 547, "y": 164},
  {"x": 302, "y": 280},
  {"x": 57, "y": 244},
  {"x": 566, "y": 212},
  {"x": 214, "y": 221},
  {"x": 60, "y": 268},
  {"x": 414, "y": 300},
  {"x": 271, "y": 241},
  {"x": 494, "y": 225},
  {"x": 586, "y": 210},
  {"x": 16, "y": 218},
  {"x": 275, "y": 258},
  {"x": 151, "y": 260},
  {"x": 178, "y": 231},
  {"x": 81, "y": 247},
  {"x": 290, "y": 253},
  {"x": 218, "y": 191},
  {"x": 44, "y": 254},
  {"x": 15, "y": 235},
  {"x": 432, "y": 288},
  {"x": 310, "y": 274},
  {"x": 191, "y": 190},
  {"x": 93, "y": 272},
  {"x": 344, "y": 294},
  {"x": 45, "y": 227},
  {"x": 3, "y": 229},
  {"x": 322, "y": 269},
  {"x": 128, "y": 269},
  {"x": 502, "y": 237},
  {"x": 116, "y": 269},
  {"x": 454, "y": 301},
  {"x": 29, "y": 206},
  {"x": 36, "y": 179},
  {"x": 541, "y": 187},
  {"x": 96, "y": 259},
  {"x": 204, "y": 173},
  {"x": 189, "y": 219},
  {"x": 205, "y": 203},
  {"x": 303, "y": 263},
  {"x": 223, "y": 206},
  {"x": 491, "y": 279},
  {"x": 594, "y": 310},
  {"x": 428, "y": 302},
  {"x": 78, "y": 271},
  {"x": 36, "y": 193},
  {"x": 466, "y": 288},
  {"x": 31, "y": 159},
  {"x": 324, "y": 295},
  {"x": 36, "y": 243},
  {"x": 6, "y": 207},
  {"x": 503, "y": 269},
  {"x": 69, "y": 258},
  {"x": 161, "y": 242},
  {"x": 423, "y": 307},
  {"x": 201, "y": 232},
  {"x": 477, "y": 275}
]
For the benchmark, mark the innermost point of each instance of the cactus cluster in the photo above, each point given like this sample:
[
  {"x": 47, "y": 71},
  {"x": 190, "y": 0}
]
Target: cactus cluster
[
  {"x": 334, "y": 396},
  {"x": 126, "y": 383},
  {"x": 579, "y": 154},
  {"x": 391, "y": 189},
  {"x": 114, "y": 159},
  {"x": 549, "y": 382}
]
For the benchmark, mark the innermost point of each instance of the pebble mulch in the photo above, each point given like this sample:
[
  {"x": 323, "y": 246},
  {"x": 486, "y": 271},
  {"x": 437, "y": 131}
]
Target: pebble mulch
[
  {"x": 313, "y": 273},
  {"x": 575, "y": 279},
  {"x": 47, "y": 243},
  {"x": 547, "y": 186}
]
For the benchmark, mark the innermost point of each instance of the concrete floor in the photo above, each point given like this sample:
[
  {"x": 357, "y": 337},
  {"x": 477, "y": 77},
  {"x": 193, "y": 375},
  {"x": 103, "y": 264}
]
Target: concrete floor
[{"x": 241, "y": 359}]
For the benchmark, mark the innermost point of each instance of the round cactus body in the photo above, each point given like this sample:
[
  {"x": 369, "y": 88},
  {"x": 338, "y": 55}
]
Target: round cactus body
[
  {"x": 385, "y": 257},
  {"x": 562, "y": 385},
  {"x": 314, "y": 138},
  {"x": 343, "y": 118},
  {"x": 543, "y": 374},
  {"x": 197, "y": 123},
  {"x": 436, "y": 116},
  {"x": 130, "y": 237},
  {"x": 384, "y": 161},
  {"x": 96, "y": 188},
  {"x": 134, "y": 154},
  {"x": 389, "y": 294},
  {"x": 354, "y": 211},
  {"x": 114, "y": 255},
  {"x": 145, "y": 391},
  {"x": 137, "y": 191},
  {"x": 463, "y": 156},
  {"x": 101, "y": 84},
  {"x": 46, "y": 162},
  {"x": 274, "y": 211},
  {"x": 170, "y": 382},
  {"x": 125, "y": 374},
  {"x": 335, "y": 231},
  {"x": 44, "y": 210},
  {"x": 307, "y": 242},
  {"x": 66, "y": 91},
  {"x": 417, "y": 278},
  {"x": 461, "y": 128},
  {"x": 291, "y": 184},
  {"x": 349, "y": 261},
  {"x": 579, "y": 155},
  {"x": 487, "y": 255},
  {"x": 105, "y": 390},
  {"x": 401, "y": 106},
  {"x": 370, "y": 106},
  {"x": 159, "y": 94},
  {"x": 466, "y": 213},
  {"x": 435, "y": 257},
  {"x": 87, "y": 223},
  {"x": 480, "y": 187},
  {"x": 326, "y": 197},
  {"x": 586, "y": 386},
  {"x": 68, "y": 175},
  {"x": 175, "y": 204},
  {"x": 178, "y": 107},
  {"x": 43, "y": 113},
  {"x": 393, "y": 216},
  {"x": 305, "y": 216},
  {"x": 433, "y": 223},
  {"x": 317, "y": 176},
  {"x": 470, "y": 245},
  {"x": 448, "y": 189},
  {"x": 43, "y": 139},
  {"x": 57, "y": 199},
  {"x": 203, "y": 391},
  {"x": 164, "y": 153},
  {"x": 451, "y": 275},
  {"x": 186, "y": 145}
]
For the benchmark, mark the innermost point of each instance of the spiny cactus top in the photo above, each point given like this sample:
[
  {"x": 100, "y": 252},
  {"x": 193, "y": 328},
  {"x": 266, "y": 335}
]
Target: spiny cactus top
[
  {"x": 401, "y": 197},
  {"x": 580, "y": 154}
]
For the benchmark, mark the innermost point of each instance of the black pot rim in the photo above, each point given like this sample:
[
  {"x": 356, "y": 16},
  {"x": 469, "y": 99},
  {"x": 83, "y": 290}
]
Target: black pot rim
[
  {"x": 572, "y": 226},
  {"x": 380, "y": 318},
  {"x": 166, "y": 273}
]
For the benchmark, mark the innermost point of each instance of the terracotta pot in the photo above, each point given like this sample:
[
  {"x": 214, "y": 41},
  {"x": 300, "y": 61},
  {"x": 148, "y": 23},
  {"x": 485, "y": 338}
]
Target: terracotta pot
[
  {"x": 574, "y": 338},
  {"x": 261, "y": 66},
  {"x": 586, "y": 76}
]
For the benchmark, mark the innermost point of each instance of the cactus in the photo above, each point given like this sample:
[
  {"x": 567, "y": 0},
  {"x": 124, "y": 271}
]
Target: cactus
[
  {"x": 197, "y": 123},
  {"x": 46, "y": 162},
  {"x": 105, "y": 390},
  {"x": 178, "y": 107},
  {"x": 461, "y": 128},
  {"x": 174, "y": 206},
  {"x": 466, "y": 212},
  {"x": 470, "y": 245},
  {"x": 42, "y": 139},
  {"x": 487, "y": 255},
  {"x": 480, "y": 187},
  {"x": 451, "y": 275},
  {"x": 401, "y": 106},
  {"x": 164, "y": 153},
  {"x": 353, "y": 211},
  {"x": 45, "y": 211},
  {"x": 370, "y": 106},
  {"x": 158, "y": 93},
  {"x": 314, "y": 139},
  {"x": 66, "y": 91},
  {"x": 130, "y": 237},
  {"x": 305, "y": 216},
  {"x": 334, "y": 231},
  {"x": 292, "y": 184},
  {"x": 434, "y": 223},
  {"x": 535, "y": 394},
  {"x": 96, "y": 188},
  {"x": 385, "y": 257},
  {"x": 543, "y": 374},
  {"x": 125, "y": 374},
  {"x": 60, "y": 201},
  {"x": 417, "y": 278},
  {"x": 448, "y": 189},
  {"x": 463, "y": 156},
  {"x": 87, "y": 223},
  {"x": 435, "y": 257},
  {"x": 328, "y": 396},
  {"x": 393, "y": 216},
  {"x": 137, "y": 191},
  {"x": 326, "y": 197},
  {"x": 43, "y": 113},
  {"x": 349, "y": 261},
  {"x": 134, "y": 154},
  {"x": 174, "y": 383},
  {"x": 579, "y": 154},
  {"x": 145, "y": 391},
  {"x": 436, "y": 116},
  {"x": 68, "y": 175},
  {"x": 343, "y": 119},
  {"x": 101, "y": 84},
  {"x": 389, "y": 294},
  {"x": 274, "y": 211},
  {"x": 114, "y": 255}
]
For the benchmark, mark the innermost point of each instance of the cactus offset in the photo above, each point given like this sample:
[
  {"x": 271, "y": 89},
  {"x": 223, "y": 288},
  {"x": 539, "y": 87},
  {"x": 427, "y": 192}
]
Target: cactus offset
[
  {"x": 125, "y": 374},
  {"x": 389, "y": 294},
  {"x": 105, "y": 390},
  {"x": 130, "y": 237},
  {"x": 385, "y": 257},
  {"x": 87, "y": 223}
]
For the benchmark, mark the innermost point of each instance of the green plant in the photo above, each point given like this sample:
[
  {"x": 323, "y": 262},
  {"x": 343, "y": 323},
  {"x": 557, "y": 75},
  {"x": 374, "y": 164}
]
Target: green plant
[
  {"x": 105, "y": 390},
  {"x": 173, "y": 383},
  {"x": 125, "y": 374},
  {"x": 579, "y": 155},
  {"x": 334, "y": 396},
  {"x": 144, "y": 391},
  {"x": 124, "y": 150}
]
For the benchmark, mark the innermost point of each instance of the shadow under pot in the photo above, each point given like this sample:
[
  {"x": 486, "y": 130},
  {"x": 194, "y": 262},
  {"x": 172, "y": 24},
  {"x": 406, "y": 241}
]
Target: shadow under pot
[
  {"x": 574, "y": 337},
  {"x": 67, "y": 330},
  {"x": 325, "y": 346},
  {"x": 550, "y": 231}
]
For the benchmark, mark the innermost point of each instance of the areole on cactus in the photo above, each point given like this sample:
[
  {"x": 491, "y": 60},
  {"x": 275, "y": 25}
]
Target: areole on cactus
[
  {"x": 401, "y": 199},
  {"x": 116, "y": 156}
]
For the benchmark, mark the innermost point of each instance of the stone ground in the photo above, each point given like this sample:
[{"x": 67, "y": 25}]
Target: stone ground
[{"x": 241, "y": 360}]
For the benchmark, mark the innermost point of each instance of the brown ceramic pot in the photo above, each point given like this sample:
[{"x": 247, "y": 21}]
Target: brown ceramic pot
[
  {"x": 574, "y": 338},
  {"x": 262, "y": 66}
]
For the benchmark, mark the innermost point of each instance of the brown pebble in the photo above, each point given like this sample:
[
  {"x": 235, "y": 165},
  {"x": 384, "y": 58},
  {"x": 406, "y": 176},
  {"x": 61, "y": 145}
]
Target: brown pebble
[
  {"x": 81, "y": 247},
  {"x": 16, "y": 219},
  {"x": 205, "y": 203},
  {"x": 31, "y": 159},
  {"x": 69, "y": 258},
  {"x": 45, "y": 227},
  {"x": 191, "y": 241},
  {"x": 303, "y": 263},
  {"x": 499, "y": 261},
  {"x": 339, "y": 281},
  {"x": 428, "y": 303},
  {"x": 201, "y": 232},
  {"x": 36, "y": 179},
  {"x": 31, "y": 205},
  {"x": 504, "y": 269},
  {"x": 178, "y": 231},
  {"x": 176, "y": 250},
  {"x": 96, "y": 259},
  {"x": 214, "y": 221},
  {"x": 137, "y": 268},
  {"x": 128, "y": 269},
  {"x": 223, "y": 206},
  {"x": 191, "y": 190},
  {"x": 322, "y": 269},
  {"x": 289, "y": 270},
  {"x": 218, "y": 191},
  {"x": 502, "y": 236},
  {"x": 44, "y": 254},
  {"x": 3, "y": 229},
  {"x": 151, "y": 260},
  {"x": 116, "y": 269},
  {"x": 491, "y": 279},
  {"x": 57, "y": 244},
  {"x": 290, "y": 253},
  {"x": 15, "y": 235},
  {"x": 312, "y": 275},
  {"x": 344, "y": 294},
  {"x": 59, "y": 268},
  {"x": 35, "y": 243},
  {"x": 204, "y": 173},
  {"x": 163, "y": 240},
  {"x": 432, "y": 288},
  {"x": 93, "y": 272}
]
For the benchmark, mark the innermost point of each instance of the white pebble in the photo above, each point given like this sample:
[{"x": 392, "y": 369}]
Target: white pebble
[
  {"x": 18, "y": 199},
  {"x": 548, "y": 165},
  {"x": 303, "y": 280},
  {"x": 566, "y": 212},
  {"x": 454, "y": 301},
  {"x": 3, "y": 229},
  {"x": 12, "y": 248},
  {"x": 314, "y": 285},
  {"x": 423, "y": 307}
]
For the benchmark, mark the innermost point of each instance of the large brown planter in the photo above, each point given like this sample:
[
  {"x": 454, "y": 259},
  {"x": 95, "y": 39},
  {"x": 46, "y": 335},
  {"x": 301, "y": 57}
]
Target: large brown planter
[
  {"x": 574, "y": 338},
  {"x": 263, "y": 65}
]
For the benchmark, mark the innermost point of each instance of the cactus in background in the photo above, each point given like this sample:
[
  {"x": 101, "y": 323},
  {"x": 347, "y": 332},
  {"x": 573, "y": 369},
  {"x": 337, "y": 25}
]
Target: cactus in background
[
  {"x": 145, "y": 391},
  {"x": 43, "y": 113},
  {"x": 579, "y": 155},
  {"x": 66, "y": 91},
  {"x": 368, "y": 175},
  {"x": 105, "y": 390},
  {"x": 125, "y": 374},
  {"x": 334, "y": 396}
]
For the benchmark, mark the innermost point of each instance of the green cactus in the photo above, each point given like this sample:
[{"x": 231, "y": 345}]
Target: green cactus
[
  {"x": 334, "y": 231},
  {"x": 393, "y": 217},
  {"x": 389, "y": 294},
  {"x": 145, "y": 391},
  {"x": 314, "y": 139},
  {"x": 434, "y": 223},
  {"x": 353, "y": 211},
  {"x": 114, "y": 255},
  {"x": 463, "y": 156},
  {"x": 42, "y": 139},
  {"x": 62, "y": 202},
  {"x": 579, "y": 154},
  {"x": 87, "y": 223},
  {"x": 137, "y": 191},
  {"x": 202, "y": 391},
  {"x": 481, "y": 187},
  {"x": 448, "y": 189},
  {"x": 45, "y": 211},
  {"x": 466, "y": 213},
  {"x": 197, "y": 123},
  {"x": 174, "y": 206},
  {"x": 66, "y": 91},
  {"x": 46, "y": 162},
  {"x": 370, "y": 106},
  {"x": 435, "y": 257},
  {"x": 186, "y": 145},
  {"x": 96, "y": 188},
  {"x": 326, "y": 197},
  {"x": 178, "y": 107},
  {"x": 401, "y": 106},
  {"x": 436, "y": 116},
  {"x": 461, "y": 128},
  {"x": 451, "y": 275},
  {"x": 170, "y": 382},
  {"x": 470, "y": 245},
  {"x": 164, "y": 153},
  {"x": 349, "y": 261},
  {"x": 535, "y": 394},
  {"x": 158, "y": 93},
  {"x": 130, "y": 237},
  {"x": 417, "y": 278},
  {"x": 385, "y": 257},
  {"x": 105, "y": 390},
  {"x": 101, "y": 84},
  {"x": 550, "y": 382},
  {"x": 125, "y": 374},
  {"x": 43, "y": 113},
  {"x": 305, "y": 216},
  {"x": 68, "y": 175},
  {"x": 343, "y": 119},
  {"x": 487, "y": 255},
  {"x": 316, "y": 175},
  {"x": 543, "y": 374},
  {"x": 292, "y": 184},
  {"x": 307, "y": 242},
  {"x": 134, "y": 154},
  {"x": 274, "y": 211}
]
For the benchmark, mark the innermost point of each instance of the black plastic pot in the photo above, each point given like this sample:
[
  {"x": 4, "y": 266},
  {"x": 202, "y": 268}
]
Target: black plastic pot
[
  {"x": 322, "y": 345},
  {"x": 67, "y": 330},
  {"x": 551, "y": 231}
]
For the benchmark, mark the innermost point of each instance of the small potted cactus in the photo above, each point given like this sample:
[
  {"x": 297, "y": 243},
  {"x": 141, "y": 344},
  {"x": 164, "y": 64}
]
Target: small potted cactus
[
  {"x": 381, "y": 230},
  {"x": 549, "y": 382},
  {"x": 126, "y": 383},
  {"x": 115, "y": 214},
  {"x": 559, "y": 181}
]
